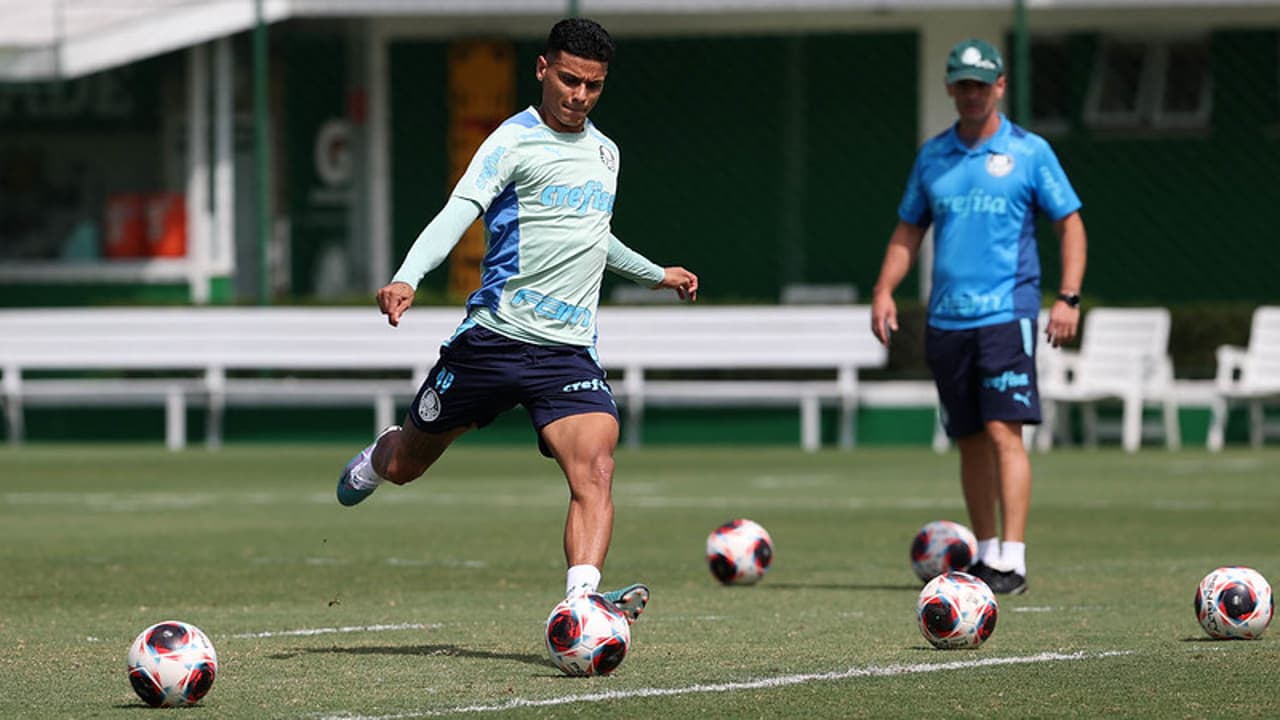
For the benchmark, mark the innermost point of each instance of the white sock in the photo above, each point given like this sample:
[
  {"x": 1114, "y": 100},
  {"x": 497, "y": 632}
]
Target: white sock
[
  {"x": 581, "y": 579},
  {"x": 989, "y": 552},
  {"x": 364, "y": 475},
  {"x": 1014, "y": 556}
]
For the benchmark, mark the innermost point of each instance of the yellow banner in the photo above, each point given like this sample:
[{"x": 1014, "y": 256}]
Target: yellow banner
[{"x": 481, "y": 95}]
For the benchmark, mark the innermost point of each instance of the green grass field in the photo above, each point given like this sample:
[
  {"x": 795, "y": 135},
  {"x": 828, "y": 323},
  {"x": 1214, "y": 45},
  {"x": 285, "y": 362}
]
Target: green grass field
[{"x": 429, "y": 600}]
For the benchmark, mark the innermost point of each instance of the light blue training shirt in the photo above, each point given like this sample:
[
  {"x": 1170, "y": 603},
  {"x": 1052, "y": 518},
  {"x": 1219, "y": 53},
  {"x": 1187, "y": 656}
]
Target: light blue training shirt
[
  {"x": 548, "y": 202},
  {"x": 982, "y": 202}
]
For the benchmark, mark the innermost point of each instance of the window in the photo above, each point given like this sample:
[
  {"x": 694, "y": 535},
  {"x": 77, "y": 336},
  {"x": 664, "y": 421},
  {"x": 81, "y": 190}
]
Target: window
[
  {"x": 1185, "y": 86},
  {"x": 1050, "y": 85},
  {"x": 1151, "y": 83}
]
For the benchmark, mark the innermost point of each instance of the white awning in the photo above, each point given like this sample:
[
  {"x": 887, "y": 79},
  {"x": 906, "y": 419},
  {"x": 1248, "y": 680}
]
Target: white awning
[
  {"x": 58, "y": 39},
  {"x": 45, "y": 40}
]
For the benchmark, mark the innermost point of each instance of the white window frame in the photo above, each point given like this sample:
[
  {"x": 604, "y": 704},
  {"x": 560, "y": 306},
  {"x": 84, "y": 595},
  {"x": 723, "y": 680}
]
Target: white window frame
[
  {"x": 1094, "y": 114},
  {"x": 1148, "y": 109},
  {"x": 1198, "y": 118},
  {"x": 1048, "y": 125}
]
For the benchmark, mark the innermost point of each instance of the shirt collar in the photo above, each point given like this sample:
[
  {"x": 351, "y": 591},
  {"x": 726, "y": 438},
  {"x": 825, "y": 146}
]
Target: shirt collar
[{"x": 998, "y": 143}]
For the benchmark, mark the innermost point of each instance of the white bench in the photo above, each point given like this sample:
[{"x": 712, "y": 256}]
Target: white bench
[
  {"x": 213, "y": 357},
  {"x": 802, "y": 355},
  {"x": 1248, "y": 374},
  {"x": 907, "y": 394},
  {"x": 805, "y": 356},
  {"x": 1123, "y": 356}
]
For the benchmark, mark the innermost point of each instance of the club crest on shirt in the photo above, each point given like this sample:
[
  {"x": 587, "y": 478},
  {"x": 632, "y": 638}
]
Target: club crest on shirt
[
  {"x": 999, "y": 165},
  {"x": 609, "y": 159},
  {"x": 429, "y": 405}
]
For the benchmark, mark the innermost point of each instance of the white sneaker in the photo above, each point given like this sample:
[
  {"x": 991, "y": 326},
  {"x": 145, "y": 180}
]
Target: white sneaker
[{"x": 358, "y": 480}]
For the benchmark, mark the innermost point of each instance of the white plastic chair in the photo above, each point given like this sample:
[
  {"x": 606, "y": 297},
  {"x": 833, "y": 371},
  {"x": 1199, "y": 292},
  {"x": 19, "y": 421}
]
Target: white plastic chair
[
  {"x": 1124, "y": 355},
  {"x": 1248, "y": 374}
]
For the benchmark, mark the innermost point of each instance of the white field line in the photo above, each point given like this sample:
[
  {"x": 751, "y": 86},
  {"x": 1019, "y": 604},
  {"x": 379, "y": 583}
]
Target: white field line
[
  {"x": 1056, "y": 609},
  {"x": 760, "y": 684},
  {"x": 305, "y": 632},
  {"x": 391, "y": 561}
]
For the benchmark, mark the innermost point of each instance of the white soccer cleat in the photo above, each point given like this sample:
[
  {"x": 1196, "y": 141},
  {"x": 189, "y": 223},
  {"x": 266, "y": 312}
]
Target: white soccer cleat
[
  {"x": 358, "y": 481},
  {"x": 630, "y": 600}
]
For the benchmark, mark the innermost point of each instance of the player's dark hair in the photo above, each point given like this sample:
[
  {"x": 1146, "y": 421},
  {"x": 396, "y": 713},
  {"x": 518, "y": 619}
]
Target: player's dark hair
[{"x": 580, "y": 37}]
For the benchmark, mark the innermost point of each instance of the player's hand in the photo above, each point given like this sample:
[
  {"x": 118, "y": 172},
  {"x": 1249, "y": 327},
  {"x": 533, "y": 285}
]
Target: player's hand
[
  {"x": 1063, "y": 323},
  {"x": 884, "y": 317},
  {"x": 682, "y": 281},
  {"x": 394, "y": 299}
]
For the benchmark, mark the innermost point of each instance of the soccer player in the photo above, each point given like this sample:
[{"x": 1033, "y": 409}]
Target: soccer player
[
  {"x": 980, "y": 183},
  {"x": 545, "y": 182}
]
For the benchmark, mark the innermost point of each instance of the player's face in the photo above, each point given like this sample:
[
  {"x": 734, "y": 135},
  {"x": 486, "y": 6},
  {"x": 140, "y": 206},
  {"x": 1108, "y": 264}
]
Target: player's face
[
  {"x": 571, "y": 86},
  {"x": 975, "y": 101}
]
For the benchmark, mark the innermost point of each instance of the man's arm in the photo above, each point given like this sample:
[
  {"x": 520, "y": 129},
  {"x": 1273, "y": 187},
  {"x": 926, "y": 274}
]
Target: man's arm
[
  {"x": 632, "y": 265},
  {"x": 635, "y": 267},
  {"x": 427, "y": 253},
  {"x": 904, "y": 245},
  {"x": 1064, "y": 319}
]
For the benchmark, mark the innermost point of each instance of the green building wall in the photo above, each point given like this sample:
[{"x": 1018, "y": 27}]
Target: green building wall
[{"x": 755, "y": 161}]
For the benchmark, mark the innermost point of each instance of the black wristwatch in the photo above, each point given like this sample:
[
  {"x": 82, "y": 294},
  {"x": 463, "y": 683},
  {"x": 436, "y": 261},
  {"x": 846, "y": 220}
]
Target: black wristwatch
[{"x": 1071, "y": 299}]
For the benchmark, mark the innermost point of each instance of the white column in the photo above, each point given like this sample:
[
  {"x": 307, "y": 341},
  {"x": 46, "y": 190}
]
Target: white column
[
  {"x": 378, "y": 167},
  {"x": 223, "y": 256},
  {"x": 938, "y": 34},
  {"x": 198, "y": 174}
]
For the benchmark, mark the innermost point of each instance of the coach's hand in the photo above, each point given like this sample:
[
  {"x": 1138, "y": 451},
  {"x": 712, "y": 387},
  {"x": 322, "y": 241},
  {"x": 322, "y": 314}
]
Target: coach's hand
[
  {"x": 1064, "y": 320},
  {"x": 394, "y": 299},
  {"x": 884, "y": 317}
]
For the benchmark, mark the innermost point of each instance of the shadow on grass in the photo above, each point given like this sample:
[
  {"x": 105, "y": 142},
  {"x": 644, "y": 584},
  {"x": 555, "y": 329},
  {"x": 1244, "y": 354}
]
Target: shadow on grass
[
  {"x": 444, "y": 650},
  {"x": 839, "y": 586}
]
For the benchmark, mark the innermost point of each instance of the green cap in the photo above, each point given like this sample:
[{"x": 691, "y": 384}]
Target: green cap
[{"x": 974, "y": 60}]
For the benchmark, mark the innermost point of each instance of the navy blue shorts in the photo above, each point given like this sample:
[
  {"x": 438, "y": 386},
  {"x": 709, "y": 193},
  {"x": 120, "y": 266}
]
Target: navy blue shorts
[
  {"x": 481, "y": 374},
  {"x": 986, "y": 373}
]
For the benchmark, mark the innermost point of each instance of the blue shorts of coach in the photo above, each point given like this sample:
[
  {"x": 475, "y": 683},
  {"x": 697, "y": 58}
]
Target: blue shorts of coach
[
  {"x": 984, "y": 374},
  {"x": 481, "y": 374}
]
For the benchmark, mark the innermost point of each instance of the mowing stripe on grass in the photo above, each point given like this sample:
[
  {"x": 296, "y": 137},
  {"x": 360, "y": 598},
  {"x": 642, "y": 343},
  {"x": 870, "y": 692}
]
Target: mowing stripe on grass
[
  {"x": 326, "y": 631},
  {"x": 761, "y": 684},
  {"x": 134, "y": 502}
]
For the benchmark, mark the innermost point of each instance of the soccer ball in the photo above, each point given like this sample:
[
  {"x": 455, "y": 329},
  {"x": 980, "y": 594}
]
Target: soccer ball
[
  {"x": 739, "y": 552},
  {"x": 942, "y": 546},
  {"x": 587, "y": 635},
  {"x": 1234, "y": 603},
  {"x": 956, "y": 610},
  {"x": 172, "y": 664}
]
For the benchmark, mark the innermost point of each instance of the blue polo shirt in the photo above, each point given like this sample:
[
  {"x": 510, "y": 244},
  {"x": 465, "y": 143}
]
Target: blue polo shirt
[{"x": 983, "y": 202}]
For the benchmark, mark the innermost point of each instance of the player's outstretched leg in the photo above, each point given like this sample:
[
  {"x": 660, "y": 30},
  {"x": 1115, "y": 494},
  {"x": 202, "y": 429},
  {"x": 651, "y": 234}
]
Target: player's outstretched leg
[
  {"x": 358, "y": 479},
  {"x": 630, "y": 600}
]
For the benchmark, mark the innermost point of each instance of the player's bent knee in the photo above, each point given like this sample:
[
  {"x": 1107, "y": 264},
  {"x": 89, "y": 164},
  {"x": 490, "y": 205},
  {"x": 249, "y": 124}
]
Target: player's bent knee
[
  {"x": 603, "y": 468},
  {"x": 593, "y": 483}
]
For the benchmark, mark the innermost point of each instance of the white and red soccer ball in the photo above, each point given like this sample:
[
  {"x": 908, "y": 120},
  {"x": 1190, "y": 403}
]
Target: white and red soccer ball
[
  {"x": 956, "y": 610},
  {"x": 739, "y": 552},
  {"x": 942, "y": 546},
  {"x": 171, "y": 664},
  {"x": 587, "y": 635},
  {"x": 1234, "y": 603}
]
